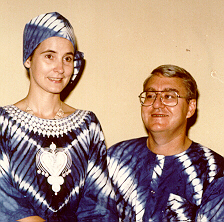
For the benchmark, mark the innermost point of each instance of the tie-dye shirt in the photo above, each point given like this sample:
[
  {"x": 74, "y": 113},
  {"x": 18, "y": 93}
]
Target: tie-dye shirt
[
  {"x": 185, "y": 187},
  {"x": 55, "y": 169}
]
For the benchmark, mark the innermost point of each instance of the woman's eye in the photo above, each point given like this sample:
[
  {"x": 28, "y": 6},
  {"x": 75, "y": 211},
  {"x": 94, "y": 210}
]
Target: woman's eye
[
  {"x": 68, "y": 59},
  {"x": 49, "y": 56}
]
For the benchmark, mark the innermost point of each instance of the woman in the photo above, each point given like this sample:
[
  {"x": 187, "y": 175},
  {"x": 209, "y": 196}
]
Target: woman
[{"x": 52, "y": 156}]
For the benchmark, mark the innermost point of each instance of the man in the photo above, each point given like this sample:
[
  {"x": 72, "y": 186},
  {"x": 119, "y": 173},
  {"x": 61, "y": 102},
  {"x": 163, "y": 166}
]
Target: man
[{"x": 166, "y": 176}]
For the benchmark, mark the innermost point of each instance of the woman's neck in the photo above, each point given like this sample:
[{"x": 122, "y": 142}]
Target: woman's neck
[
  {"x": 44, "y": 106},
  {"x": 45, "y": 110}
]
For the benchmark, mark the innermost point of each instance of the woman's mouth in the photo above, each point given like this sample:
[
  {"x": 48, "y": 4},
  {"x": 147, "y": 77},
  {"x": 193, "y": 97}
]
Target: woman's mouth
[{"x": 55, "y": 79}]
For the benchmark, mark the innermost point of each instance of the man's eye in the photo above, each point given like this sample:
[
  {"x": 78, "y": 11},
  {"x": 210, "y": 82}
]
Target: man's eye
[
  {"x": 169, "y": 96},
  {"x": 150, "y": 95}
]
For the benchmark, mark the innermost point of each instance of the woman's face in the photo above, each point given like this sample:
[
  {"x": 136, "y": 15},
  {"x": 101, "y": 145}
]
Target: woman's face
[{"x": 51, "y": 65}]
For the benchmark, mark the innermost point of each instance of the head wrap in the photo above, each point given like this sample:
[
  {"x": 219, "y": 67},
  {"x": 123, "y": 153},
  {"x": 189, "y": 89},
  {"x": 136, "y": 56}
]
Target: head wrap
[{"x": 45, "y": 26}]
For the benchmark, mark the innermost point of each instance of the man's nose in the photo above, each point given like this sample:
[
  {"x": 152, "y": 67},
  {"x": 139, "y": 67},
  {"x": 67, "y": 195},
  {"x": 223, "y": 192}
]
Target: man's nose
[{"x": 158, "y": 101}]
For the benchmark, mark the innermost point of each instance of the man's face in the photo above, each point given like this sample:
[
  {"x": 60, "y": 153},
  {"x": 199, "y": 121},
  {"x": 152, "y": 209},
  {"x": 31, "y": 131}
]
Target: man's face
[{"x": 161, "y": 118}]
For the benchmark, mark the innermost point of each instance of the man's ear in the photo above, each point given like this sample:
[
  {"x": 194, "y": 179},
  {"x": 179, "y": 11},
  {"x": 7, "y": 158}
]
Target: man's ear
[
  {"x": 191, "y": 108},
  {"x": 28, "y": 63}
]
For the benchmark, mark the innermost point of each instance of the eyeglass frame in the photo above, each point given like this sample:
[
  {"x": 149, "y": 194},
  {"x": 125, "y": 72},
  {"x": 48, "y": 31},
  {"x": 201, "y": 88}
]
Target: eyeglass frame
[{"x": 157, "y": 92}]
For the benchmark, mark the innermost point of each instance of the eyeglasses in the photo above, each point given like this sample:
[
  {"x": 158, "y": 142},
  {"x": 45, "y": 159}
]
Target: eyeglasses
[{"x": 169, "y": 98}]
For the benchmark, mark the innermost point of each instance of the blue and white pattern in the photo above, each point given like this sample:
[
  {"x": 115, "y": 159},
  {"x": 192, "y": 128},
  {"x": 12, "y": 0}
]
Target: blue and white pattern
[
  {"x": 29, "y": 150},
  {"x": 150, "y": 187}
]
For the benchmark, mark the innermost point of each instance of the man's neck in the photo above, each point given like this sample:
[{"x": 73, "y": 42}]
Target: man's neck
[{"x": 167, "y": 146}]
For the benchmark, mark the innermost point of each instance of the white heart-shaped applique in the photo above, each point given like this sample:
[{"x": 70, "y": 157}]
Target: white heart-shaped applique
[{"x": 54, "y": 163}]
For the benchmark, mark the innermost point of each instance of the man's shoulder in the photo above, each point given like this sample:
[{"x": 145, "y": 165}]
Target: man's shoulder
[
  {"x": 208, "y": 151},
  {"x": 128, "y": 145},
  {"x": 200, "y": 153}
]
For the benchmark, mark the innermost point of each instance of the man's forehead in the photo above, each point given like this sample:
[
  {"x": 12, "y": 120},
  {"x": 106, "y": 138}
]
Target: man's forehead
[
  {"x": 163, "y": 80},
  {"x": 163, "y": 83}
]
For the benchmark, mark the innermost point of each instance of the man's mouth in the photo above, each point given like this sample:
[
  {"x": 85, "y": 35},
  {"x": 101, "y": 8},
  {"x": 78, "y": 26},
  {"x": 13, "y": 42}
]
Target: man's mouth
[{"x": 159, "y": 115}]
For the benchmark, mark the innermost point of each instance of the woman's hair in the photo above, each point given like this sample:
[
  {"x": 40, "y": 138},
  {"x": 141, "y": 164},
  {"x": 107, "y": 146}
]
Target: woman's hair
[{"x": 178, "y": 72}]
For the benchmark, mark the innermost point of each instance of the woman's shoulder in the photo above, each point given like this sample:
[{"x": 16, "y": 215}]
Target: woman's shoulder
[
  {"x": 7, "y": 113},
  {"x": 69, "y": 111},
  {"x": 22, "y": 105},
  {"x": 6, "y": 109},
  {"x": 88, "y": 115}
]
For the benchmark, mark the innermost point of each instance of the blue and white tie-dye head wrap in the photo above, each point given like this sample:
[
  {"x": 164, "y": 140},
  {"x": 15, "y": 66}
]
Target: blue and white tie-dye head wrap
[{"x": 45, "y": 26}]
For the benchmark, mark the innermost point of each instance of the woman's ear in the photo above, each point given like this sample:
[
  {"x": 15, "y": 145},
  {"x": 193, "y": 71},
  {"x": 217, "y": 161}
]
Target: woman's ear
[
  {"x": 27, "y": 63},
  {"x": 191, "y": 108}
]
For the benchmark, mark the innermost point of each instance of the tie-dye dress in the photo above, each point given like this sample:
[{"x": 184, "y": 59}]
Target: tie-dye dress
[
  {"x": 55, "y": 169},
  {"x": 185, "y": 187}
]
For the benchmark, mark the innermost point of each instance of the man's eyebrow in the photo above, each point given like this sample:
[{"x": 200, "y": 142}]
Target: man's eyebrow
[
  {"x": 150, "y": 89},
  {"x": 171, "y": 89},
  {"x": 164, "y": 90}
]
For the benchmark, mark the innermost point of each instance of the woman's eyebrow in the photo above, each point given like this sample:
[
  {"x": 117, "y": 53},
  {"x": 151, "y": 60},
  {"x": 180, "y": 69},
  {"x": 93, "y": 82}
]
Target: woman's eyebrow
[
  {"x": 52, "y": 51},
  {"x": 70, "y": 53},
  {"x": 48, "y": 50}
]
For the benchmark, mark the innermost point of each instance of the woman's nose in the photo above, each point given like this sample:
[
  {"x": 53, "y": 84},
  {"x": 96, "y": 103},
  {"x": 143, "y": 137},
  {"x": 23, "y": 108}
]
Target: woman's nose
[{"x": 59, "y": 66}]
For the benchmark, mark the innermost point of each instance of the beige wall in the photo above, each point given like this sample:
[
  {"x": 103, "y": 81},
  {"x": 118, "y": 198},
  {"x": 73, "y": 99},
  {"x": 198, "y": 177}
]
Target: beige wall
[{"x": 123, "y": 40}]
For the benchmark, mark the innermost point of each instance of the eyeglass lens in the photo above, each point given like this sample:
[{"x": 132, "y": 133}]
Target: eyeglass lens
[{"x": 167, "y": 98}]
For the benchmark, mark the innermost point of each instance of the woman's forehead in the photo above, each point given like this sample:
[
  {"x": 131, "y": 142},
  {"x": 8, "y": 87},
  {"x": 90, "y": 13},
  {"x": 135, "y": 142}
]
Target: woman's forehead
[{"x": 56, "y": 44}]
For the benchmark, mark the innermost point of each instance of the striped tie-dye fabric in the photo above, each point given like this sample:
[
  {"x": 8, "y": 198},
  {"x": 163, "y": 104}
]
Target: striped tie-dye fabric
[
  {"x": 55, "y": 169},
  {"x": 150, "y": 187}
]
